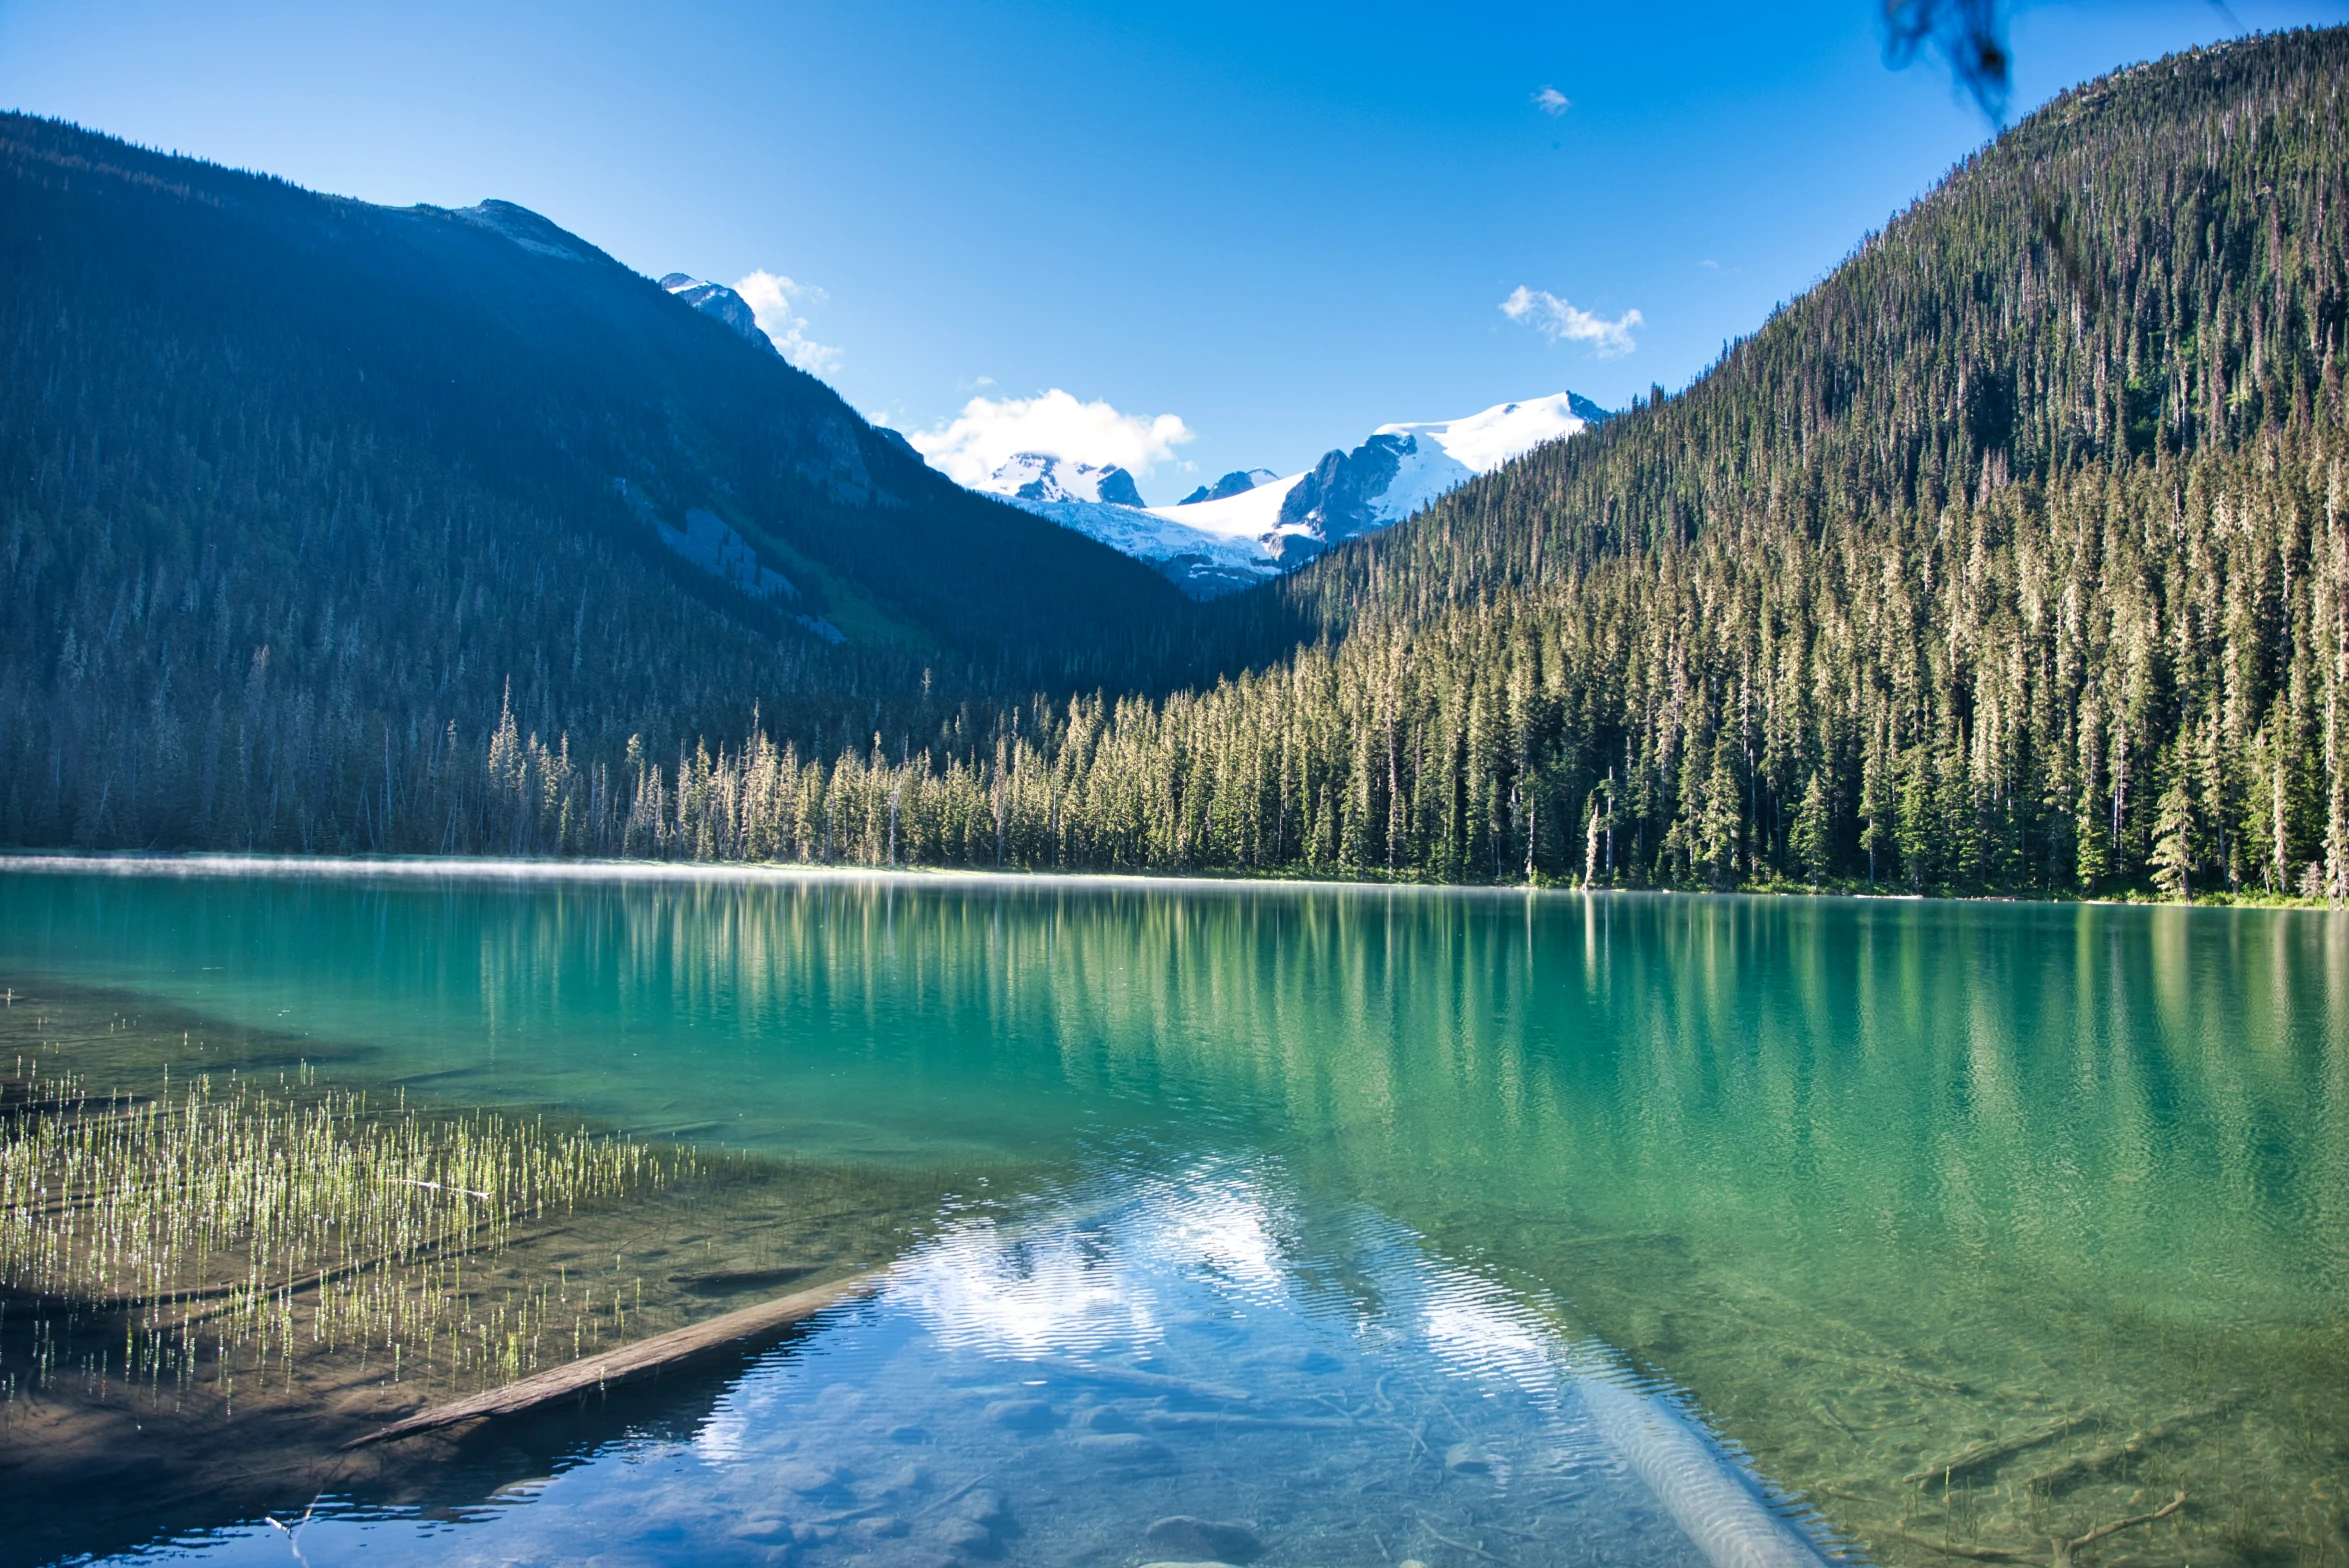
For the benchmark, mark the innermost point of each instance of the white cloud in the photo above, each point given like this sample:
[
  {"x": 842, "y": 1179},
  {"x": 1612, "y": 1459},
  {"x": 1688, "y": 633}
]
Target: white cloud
[
  {"x": 1552, "y": 102},
  {"x": 775, "y": 300},
  {"x": 1559, "y": 321},
  {"x": 991, "y": 431}
]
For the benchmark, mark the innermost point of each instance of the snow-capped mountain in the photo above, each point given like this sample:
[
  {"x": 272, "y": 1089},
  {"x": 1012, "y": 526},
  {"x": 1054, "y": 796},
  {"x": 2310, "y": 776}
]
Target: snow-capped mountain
[
  {"x": 1036, "y": 476},
  {"x": 1252, "y": 524},
  {"x": 1401, "y": 468},
  {"x": 1237, "y": 482},
  {"x": 715, "y": 299}
]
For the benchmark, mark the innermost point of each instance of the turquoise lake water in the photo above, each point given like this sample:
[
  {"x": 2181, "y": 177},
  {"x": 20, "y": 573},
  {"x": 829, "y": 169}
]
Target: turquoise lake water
[{"x": 1532, "y": 1228}]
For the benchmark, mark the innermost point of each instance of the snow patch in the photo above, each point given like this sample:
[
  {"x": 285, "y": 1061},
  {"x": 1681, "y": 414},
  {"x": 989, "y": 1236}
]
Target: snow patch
[
  {"x": 1483, "y": 442},
  {"x": 1252, "y": 514}
]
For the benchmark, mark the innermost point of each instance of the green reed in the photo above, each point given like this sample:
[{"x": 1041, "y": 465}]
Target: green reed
[{"x": 236, "y": 1228}]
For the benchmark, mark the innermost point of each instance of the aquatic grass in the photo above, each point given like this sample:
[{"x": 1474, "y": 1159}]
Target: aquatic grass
[{"x": 237, "y": 1227}]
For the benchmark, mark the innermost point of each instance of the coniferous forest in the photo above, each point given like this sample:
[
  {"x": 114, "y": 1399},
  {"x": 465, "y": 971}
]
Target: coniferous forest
[{"x": 2011, "y": 558}]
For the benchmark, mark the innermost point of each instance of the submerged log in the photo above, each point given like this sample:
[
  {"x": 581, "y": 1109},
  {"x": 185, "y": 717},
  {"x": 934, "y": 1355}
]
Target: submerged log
[
  {"x": 1984, "y": 1455},
  {"x": 628, "y": 1361},
  {"x": 2065, "y": 1551},
  {"x": 2074, "y": 1471},
  {"x": 723, "y": 1281},
  {"x": 1135, "y": 1377}
]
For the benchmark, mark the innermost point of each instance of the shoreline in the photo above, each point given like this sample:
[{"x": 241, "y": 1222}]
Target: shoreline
[{"x": 223, "y": 863}]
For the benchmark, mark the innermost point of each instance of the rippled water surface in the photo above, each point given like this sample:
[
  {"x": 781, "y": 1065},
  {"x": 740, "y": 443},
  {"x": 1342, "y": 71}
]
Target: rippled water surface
[{"x": 1390, "y": 1226}]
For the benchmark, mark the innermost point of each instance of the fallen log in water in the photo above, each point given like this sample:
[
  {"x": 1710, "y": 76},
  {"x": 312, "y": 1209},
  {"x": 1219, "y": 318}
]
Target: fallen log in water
[
  {"x": 628, "y": 1361},
  {"x": 1984, "y": 1455},
  {"x": 1717, "y": 1506},
  {"x": 2065, "y": 1553},
  {"x": 2074, "y": 1471},
  {"x": 725, "y": 1281}
]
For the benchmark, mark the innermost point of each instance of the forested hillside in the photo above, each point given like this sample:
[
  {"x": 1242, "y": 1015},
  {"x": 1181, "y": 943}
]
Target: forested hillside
[
  {"x": 2011, "y": 557},
  {"x": 295, "y": 492}
]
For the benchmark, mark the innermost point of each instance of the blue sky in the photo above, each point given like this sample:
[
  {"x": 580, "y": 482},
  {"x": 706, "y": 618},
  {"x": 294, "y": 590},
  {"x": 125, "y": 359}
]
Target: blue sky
[{"x": 1246, "y": 232}]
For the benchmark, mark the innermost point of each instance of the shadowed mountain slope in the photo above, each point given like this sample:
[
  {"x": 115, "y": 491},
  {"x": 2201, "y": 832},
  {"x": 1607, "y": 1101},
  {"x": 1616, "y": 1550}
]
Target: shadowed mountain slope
[{"x": 281, "y": 471}]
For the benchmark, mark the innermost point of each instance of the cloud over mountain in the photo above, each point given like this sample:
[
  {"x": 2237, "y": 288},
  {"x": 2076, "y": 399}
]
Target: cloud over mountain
[
  {"x": 775, "y": 299},
  {"x": 989, "y": 432}
]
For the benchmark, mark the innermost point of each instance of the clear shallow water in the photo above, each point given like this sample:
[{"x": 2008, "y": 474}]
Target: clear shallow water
[
  {"x": 1874, "y": 1187},
  {"x": 1049, "y": 1397}
]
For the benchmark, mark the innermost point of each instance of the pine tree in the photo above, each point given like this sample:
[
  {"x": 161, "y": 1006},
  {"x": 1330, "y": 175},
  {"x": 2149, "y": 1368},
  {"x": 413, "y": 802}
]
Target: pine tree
[{"x": 1813, "y": 841}]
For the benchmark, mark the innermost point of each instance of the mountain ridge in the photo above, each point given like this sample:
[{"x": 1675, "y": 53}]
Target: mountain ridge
[{"x": 721, "y": 302}]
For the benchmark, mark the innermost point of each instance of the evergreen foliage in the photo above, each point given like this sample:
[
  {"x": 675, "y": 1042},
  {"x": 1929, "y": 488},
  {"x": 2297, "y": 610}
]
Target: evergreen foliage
[{"x": 2010, "y": 558}]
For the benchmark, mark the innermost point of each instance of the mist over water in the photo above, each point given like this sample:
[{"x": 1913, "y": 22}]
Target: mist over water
[{"x": 2055, "y": 1199}]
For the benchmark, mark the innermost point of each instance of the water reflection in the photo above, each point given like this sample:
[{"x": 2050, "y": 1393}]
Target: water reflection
[{"x": 1164, "y": 1380}]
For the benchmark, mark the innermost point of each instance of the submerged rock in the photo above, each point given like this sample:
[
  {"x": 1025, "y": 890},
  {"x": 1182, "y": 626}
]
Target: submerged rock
[
  {"x": 1293, "y": 1358},
  {"x": 1124, "y": 1448},
  {"x": 1023, "y": 1415},
  {"x": 1115, "y": 1418},
  {"x": 1205, "y": 1539},
  {"x": 968, "y": 1535},
  {"x": 974, "y": 1523},
  {"x": 1467, "y": 1459},
  {"x": 762, "y": 1527},
  {"x": 909, "y": 1478},
  {"x": 806, "y": 1479}
]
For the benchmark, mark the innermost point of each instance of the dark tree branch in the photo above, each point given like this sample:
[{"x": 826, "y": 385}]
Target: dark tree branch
[{"x": 1969, "y": 34}]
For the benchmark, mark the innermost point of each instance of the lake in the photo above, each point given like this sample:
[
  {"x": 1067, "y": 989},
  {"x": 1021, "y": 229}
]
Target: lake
[{"x": 1374, "y": 1225}]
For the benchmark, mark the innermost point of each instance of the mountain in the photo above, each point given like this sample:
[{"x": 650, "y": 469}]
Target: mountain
[
  {"x": 1237, "y": 482},
  {"x": 1035, "y": 476},
  {"x": 1252, "y": 525},
  {"x": 1403, "y": 468},
  {"x": 302, "y": 498},
  {"x": 715, "y": 299}
]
